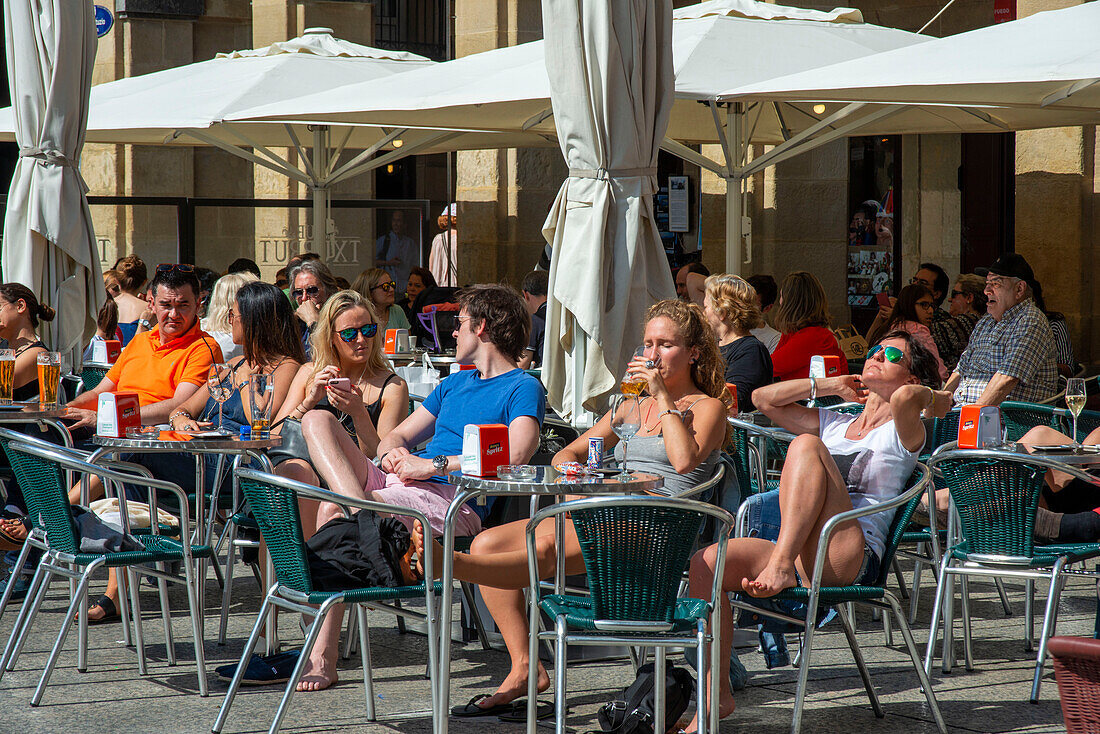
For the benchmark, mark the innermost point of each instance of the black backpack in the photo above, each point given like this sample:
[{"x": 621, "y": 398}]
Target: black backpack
[{"x": 632, "y": 711}]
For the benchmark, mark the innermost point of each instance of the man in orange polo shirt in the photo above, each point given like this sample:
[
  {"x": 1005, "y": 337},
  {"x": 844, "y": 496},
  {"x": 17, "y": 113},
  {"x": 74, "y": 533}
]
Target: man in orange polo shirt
[{"x": 164, "y": 366}]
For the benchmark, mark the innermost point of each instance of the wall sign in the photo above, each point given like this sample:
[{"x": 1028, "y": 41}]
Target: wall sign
[
  {"x": 1004, "y": 11},
  {"x": 104, "y": 21}
]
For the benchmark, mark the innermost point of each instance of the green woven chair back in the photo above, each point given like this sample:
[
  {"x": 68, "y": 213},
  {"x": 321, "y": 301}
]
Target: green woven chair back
[
  {"x": 276, "y": 511},
  {"x": 43, "y": 485},
  {"x": 946, "y": 429},
  {"x": 92, "y": 376},
  {"x": 828, "y": 401},
  {"x": 996, "y": 500},
  {"x": 1019, "y": 418},
  {"x": 898, "y": 527},
  {"x": 635, "y": 557},
  {"x": 738, "y": 451},
  {"x": 846, "y": 408},
  {"x": 1087, "y": 422}
]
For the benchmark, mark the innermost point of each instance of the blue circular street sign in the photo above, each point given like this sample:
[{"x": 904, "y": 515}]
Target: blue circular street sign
[{"x": 104, "y": 21}]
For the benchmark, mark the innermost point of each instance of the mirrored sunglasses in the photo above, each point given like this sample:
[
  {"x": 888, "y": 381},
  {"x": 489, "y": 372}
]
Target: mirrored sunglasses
[
  {"x": 892, "y": 354},
  {"x": 367, "y": 330}
]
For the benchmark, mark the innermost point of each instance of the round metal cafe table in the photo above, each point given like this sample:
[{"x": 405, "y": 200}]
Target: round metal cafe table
[{"x": 546, "y": 481}]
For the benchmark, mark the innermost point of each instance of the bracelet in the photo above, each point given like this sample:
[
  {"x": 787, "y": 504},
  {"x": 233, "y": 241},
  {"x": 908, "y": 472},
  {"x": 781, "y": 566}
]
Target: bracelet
[
  {"x": 678, "y": 413},
  {"x": 298, "y": 411},
  {"x": 813, "y": 388},
  {"x": 179, "y": 412}
]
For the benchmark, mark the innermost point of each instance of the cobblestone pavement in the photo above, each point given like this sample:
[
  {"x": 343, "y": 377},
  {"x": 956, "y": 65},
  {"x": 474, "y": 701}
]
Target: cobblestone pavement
[{"x": 112, "y": 697}]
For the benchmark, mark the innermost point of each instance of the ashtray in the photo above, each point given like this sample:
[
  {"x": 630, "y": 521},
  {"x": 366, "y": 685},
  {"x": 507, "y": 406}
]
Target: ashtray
[
  {"x": 143, "y": 432},
  {"x": 517, "y": 472}
]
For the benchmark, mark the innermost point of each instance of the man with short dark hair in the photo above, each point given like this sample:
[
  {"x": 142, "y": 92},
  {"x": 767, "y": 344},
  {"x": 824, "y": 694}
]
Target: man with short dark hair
[
  {"x": 164, "y": 366},
  {"x": 491, "y": 333},
  {"x": 767, "y": 290},
  {"x": 1011, "y": 351},
  {"x": 682, "y": 278},
  {"x": 535, "y": 287},
  {"x": 243, "y": 265}
]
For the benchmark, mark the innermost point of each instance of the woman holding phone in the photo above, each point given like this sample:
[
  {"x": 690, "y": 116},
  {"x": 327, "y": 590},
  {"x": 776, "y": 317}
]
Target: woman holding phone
[{"x": 349, "y": 379}]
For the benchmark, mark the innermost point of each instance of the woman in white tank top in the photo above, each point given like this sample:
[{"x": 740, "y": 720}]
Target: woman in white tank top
[{"x": 837, "y": 462}]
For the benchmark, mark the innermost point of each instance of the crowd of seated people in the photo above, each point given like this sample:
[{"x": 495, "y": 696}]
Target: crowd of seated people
[{"x": 344, "y": 415}]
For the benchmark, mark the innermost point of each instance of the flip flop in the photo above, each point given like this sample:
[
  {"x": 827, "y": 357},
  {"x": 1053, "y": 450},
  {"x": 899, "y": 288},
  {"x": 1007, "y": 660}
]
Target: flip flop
[
  {"x": 543, "y": 710},
  {"x": 11, "y": 542},
  {"x": 471, "y": 709},
  {"x": 107, "y": 605}
]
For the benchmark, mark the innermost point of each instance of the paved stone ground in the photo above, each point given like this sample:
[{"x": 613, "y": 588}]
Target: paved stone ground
[{"x": 112, "y": 697}]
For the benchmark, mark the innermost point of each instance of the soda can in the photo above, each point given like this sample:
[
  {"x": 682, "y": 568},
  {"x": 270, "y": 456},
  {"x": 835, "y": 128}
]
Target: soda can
[{"x": 595, "y": 452}]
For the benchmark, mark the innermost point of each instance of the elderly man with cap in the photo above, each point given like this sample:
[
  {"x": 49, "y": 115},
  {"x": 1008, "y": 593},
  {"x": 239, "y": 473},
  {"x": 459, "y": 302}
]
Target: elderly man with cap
[
  {"x": 1011, "y": 351},
  {"x": 443, "y": 258}
]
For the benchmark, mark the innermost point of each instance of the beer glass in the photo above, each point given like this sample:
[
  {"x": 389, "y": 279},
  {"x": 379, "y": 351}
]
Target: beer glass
[
  {"x": 261, "y": 396},
  {"x": 7, "y": 375},
  {"x": 49, "y": 379},
  {"x": 633, "y": 386}
]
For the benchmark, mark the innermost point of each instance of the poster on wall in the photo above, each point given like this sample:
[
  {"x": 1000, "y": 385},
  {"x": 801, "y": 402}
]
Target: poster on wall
[{"x": 873, "y": 238}]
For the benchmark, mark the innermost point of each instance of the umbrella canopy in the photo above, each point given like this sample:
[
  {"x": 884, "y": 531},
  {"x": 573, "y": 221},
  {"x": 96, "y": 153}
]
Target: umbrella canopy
[
  {"x": 610, "y": 72},
  {"x": 49, "y": 244},
  {"x": 189, "y": 105},
  {"x": 715, "y": 45},
  {"x": 1049, "y": 60}
]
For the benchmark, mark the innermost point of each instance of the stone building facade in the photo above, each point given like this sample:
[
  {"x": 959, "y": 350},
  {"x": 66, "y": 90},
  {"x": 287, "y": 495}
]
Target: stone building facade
[{"x": 962, "y": 199}]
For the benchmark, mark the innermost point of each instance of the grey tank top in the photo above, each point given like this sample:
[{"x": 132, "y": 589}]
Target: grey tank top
[{"x": 648, "y": 454}]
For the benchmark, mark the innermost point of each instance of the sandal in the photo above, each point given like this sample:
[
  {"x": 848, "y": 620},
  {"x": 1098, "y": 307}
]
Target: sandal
[
  {"x": 107, "y": 604},
  {"x": 543, "y": 710},
  {"x": 471, "y": 709},
  {"x": 11, "y": 540}
]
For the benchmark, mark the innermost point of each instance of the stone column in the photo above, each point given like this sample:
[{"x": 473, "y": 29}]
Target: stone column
[
  {"x": 1056, "y": 194},
  {"x": 503, "y": 195}
]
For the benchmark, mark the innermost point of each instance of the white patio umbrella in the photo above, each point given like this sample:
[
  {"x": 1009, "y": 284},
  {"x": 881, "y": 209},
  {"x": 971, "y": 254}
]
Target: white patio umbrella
[
  {"x": 1049, "y": 60},
  {"x": 49, "y": 244},
  {"x": 611, "y": 78},
  {"x": 189, "y": 105}
]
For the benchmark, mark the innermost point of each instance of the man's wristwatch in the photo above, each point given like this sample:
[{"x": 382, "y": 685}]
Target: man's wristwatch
[
  {"x": 144, "y": 323},
  {"x": 440, "y": 463}
]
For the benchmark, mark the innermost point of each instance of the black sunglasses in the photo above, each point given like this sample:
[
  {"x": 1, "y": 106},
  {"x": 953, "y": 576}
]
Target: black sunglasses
[
  {"x": 310, "y": 291},
  {"x": 169, "y": 267},
  {"x": 387, "y": 286},
  {"x": 367, "y": 330}
]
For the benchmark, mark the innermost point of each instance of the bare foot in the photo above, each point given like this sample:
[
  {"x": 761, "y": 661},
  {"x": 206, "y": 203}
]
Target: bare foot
[
  {"x": 726, "y": 705},
  {"x": 513, "y": 687},
  {"x": 318, "y": 675},
  {"x": 418, "y": 545},
  {"x": 772, "y": 580}
]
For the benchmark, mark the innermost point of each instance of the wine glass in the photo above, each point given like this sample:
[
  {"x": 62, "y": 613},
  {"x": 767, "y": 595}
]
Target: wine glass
[
  {"x": 220, "y": 379},
  {"x": 1075, "y": 401},
  {"x": 630, "y": 385},
  {"x": 626, "y": 419}
]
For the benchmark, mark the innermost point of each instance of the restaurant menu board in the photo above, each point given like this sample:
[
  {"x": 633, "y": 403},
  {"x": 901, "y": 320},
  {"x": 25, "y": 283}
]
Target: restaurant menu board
[{"x": 873, "y": 244}]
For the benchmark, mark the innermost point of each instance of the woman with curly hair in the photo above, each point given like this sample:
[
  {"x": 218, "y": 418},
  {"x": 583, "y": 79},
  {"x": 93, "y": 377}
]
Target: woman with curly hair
[
  {"x": 683, "y": 427},
  {"x": 730, "y": 306}
]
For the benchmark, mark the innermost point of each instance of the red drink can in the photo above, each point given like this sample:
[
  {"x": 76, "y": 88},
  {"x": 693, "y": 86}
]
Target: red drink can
[{"x": 595, "y": 452}]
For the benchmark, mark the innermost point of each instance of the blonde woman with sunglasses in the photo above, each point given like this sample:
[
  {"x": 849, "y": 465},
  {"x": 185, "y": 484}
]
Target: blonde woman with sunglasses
[
  {"x": 349, "y": 379},
  {"x": 378, "y": 287}
]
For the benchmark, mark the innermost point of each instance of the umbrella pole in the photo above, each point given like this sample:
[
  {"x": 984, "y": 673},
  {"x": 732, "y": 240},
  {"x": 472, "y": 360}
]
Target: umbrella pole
[
  {"x": 734, "y": 231},
  {"x": 320, "y": 190}
]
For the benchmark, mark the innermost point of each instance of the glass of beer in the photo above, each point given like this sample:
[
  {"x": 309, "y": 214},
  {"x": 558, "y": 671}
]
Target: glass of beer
[
  {"x": 261, "y": 394},
  {"x": 630, "y": 385},
  {"x": 49, "y": 379},
  {"x": 7, "y": 375}
]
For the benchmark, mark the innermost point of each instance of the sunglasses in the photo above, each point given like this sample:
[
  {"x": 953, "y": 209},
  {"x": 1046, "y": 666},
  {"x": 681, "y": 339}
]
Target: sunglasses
[
  {"x": 310, "y": 291},
  {"x": 367, "y": 330},
  {"x": 892, "y": 354},
  {"x": 169, "y": 267},
  {"x": 387, "y": 286}
]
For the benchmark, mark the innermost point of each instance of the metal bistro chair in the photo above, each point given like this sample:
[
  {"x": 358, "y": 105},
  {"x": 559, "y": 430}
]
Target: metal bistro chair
[
  {"x": 1019, "y": 417},
  {"x": 994, "y": 494},
  {"x": 41, "y": 472},
  {"x": 274, "y": 502},
  {"x": 875, "y": 595},
  {"x": 92, "y": 374},
  {"x": 635, "y": 550}
]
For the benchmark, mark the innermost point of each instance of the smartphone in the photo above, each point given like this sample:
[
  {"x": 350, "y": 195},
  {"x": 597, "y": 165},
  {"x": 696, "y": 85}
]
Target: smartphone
[
  {"x": 883, "y": 300},
  {"x": 340, "y": 383}
]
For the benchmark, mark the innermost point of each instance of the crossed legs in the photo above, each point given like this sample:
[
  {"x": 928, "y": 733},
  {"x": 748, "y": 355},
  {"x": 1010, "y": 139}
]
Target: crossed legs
[{"x": 811, "y": 490}]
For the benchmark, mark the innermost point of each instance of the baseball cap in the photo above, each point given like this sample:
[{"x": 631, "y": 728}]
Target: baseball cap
[{"x": 1010, "y": 265}]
